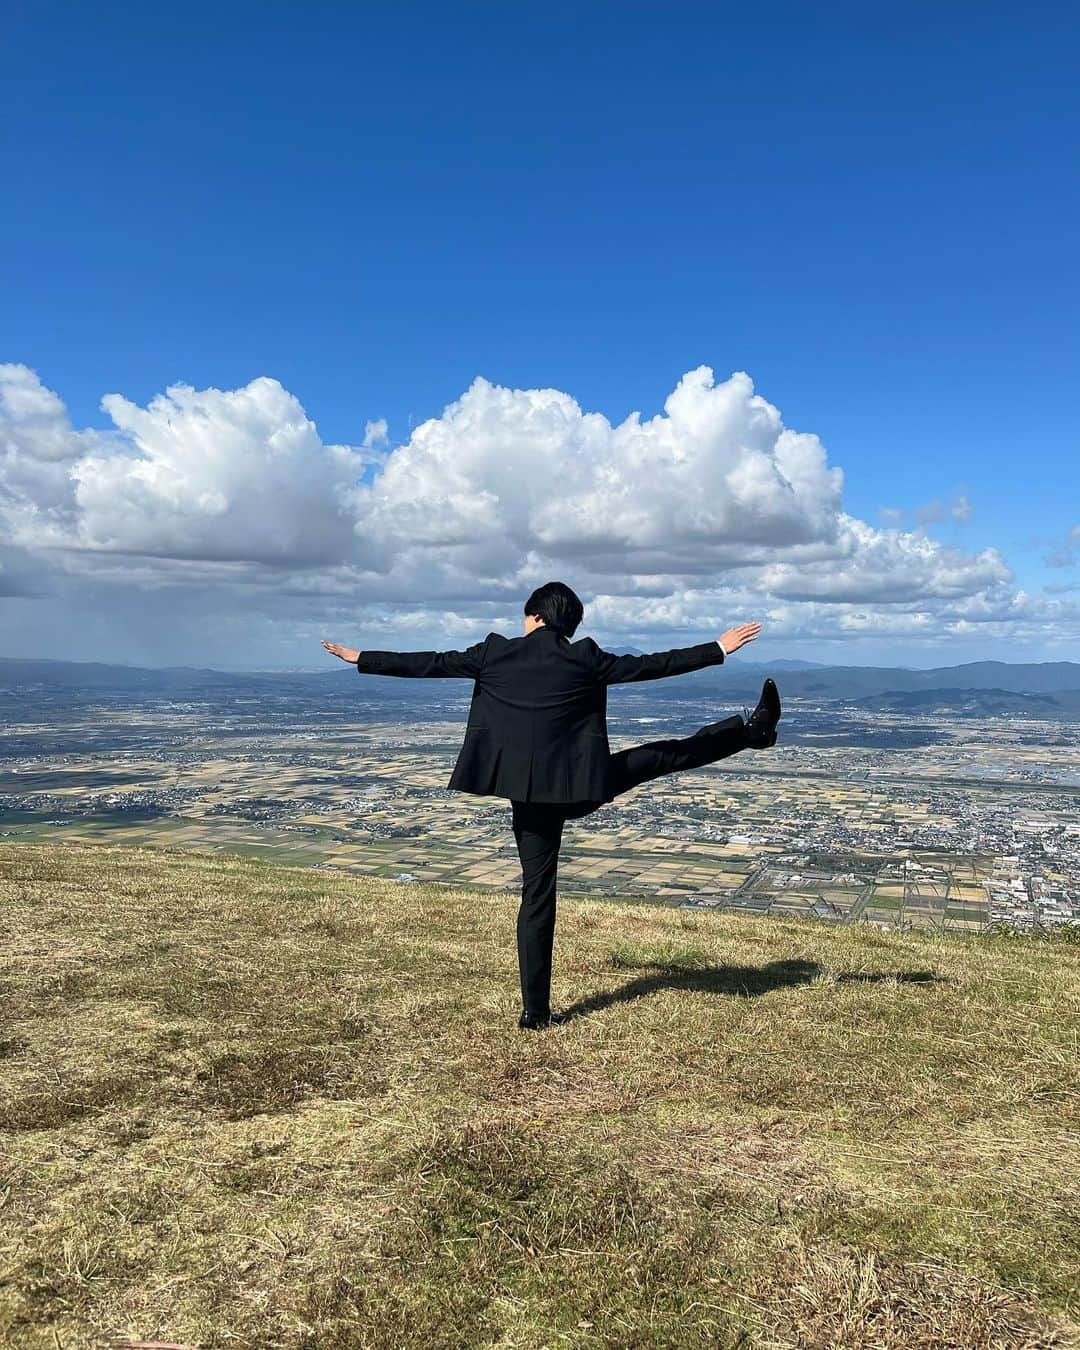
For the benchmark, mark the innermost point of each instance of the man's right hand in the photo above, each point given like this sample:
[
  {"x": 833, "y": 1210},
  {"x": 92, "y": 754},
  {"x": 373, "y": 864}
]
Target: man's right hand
[{"x": 738, "y": 637}]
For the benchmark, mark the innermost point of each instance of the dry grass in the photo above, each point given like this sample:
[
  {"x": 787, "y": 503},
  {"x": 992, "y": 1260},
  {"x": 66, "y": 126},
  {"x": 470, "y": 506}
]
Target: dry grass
[{"x": 250, "y": 1106}]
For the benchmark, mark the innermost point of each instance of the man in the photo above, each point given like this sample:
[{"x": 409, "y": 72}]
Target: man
[{"x": 537, "y": 735}]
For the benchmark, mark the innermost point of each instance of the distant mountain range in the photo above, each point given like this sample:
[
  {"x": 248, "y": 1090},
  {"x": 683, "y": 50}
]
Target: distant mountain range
[
  {"x": 1048, "y": 689},
  {"x": 95, "y": 675},
  {"x": 1063, "y": 705},
  {"x": 856, "y": 682}
]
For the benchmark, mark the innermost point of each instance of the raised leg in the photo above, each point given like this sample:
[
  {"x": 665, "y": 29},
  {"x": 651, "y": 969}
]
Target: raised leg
[
  {"x": 538, "y": 832},
  {"x": 640, "y": 763}
]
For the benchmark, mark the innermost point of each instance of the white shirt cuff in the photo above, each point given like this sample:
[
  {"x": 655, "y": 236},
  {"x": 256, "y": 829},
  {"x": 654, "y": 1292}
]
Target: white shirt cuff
[{"x": 722, "y": 648}]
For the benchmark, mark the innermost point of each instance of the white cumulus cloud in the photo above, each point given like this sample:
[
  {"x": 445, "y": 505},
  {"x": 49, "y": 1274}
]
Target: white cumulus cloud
[
  {"x": 208, "y": 475},
  {"x": 663, "y": 524},
  {"x": 715, "y": 481}
]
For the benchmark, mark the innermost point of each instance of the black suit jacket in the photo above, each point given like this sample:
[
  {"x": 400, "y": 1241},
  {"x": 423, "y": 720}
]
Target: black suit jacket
[{"x": 537, "y": 728}]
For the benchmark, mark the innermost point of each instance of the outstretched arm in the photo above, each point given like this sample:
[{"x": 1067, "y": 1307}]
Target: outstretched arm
[
  {"x": 612, "y": 669},
  {"x": 418, "y": 665}
]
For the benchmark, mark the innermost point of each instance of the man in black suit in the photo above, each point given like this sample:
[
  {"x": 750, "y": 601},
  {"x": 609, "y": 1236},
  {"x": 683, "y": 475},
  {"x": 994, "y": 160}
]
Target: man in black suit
[{"x": 537, "y": 734}]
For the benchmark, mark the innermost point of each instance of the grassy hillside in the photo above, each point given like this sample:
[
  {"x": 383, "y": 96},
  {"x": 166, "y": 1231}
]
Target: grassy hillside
[{"x": 249, "y": 1106}]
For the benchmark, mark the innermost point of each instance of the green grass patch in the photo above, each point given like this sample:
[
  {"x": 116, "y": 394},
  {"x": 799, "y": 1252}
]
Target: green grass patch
[{"x": 249, "y": 1105}]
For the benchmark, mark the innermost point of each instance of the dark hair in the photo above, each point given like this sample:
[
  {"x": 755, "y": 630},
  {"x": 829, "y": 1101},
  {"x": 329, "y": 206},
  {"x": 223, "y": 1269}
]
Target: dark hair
[{"x": 558, "y": 606}]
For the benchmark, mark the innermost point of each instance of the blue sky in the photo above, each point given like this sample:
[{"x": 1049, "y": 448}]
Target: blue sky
[{"x": 870, "y": 210}]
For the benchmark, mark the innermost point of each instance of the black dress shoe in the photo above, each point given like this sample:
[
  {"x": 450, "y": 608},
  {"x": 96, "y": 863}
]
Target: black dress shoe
[
  {"x": 537, "y": 1021},
  {"x": 761, "y": 724}
]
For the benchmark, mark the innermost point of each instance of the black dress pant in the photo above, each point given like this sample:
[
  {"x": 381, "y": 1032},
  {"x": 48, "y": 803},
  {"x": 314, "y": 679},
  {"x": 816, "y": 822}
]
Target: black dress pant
[{"x": 538, "y": 830}]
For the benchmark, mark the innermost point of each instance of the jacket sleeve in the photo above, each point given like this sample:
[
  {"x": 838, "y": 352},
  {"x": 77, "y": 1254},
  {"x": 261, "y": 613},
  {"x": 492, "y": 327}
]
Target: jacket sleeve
[
  {"x": 465, "y": 665},
  {"x": 612, "y": 669}
]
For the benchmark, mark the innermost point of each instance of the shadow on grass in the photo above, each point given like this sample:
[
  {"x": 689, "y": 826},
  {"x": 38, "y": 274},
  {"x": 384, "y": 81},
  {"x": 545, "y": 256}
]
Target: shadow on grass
[{"x": 739, "y": 981}]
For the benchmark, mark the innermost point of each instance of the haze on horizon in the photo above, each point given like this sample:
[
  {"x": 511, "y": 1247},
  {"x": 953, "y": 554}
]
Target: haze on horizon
[{"x": 361, "y": 326}]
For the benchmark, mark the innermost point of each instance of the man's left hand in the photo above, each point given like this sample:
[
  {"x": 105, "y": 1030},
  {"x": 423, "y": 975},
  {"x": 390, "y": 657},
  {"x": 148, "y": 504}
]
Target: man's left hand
[{"x": 346, "y": 653}]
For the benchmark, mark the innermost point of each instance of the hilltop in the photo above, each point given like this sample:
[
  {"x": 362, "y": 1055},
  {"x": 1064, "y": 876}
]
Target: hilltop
[{"x": 259, "y": 1106}]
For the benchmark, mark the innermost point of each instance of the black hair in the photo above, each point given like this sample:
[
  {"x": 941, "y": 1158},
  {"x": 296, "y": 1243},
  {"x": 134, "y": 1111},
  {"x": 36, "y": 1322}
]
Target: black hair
[{"x": 558, "y": 606}]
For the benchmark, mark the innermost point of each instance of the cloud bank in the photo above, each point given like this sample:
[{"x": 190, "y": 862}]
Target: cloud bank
[{"x": 709, "y": 512}]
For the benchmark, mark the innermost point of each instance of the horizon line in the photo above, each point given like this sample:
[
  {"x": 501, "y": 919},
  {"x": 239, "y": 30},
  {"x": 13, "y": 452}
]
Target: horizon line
[{"x": 312, "y": 670}]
